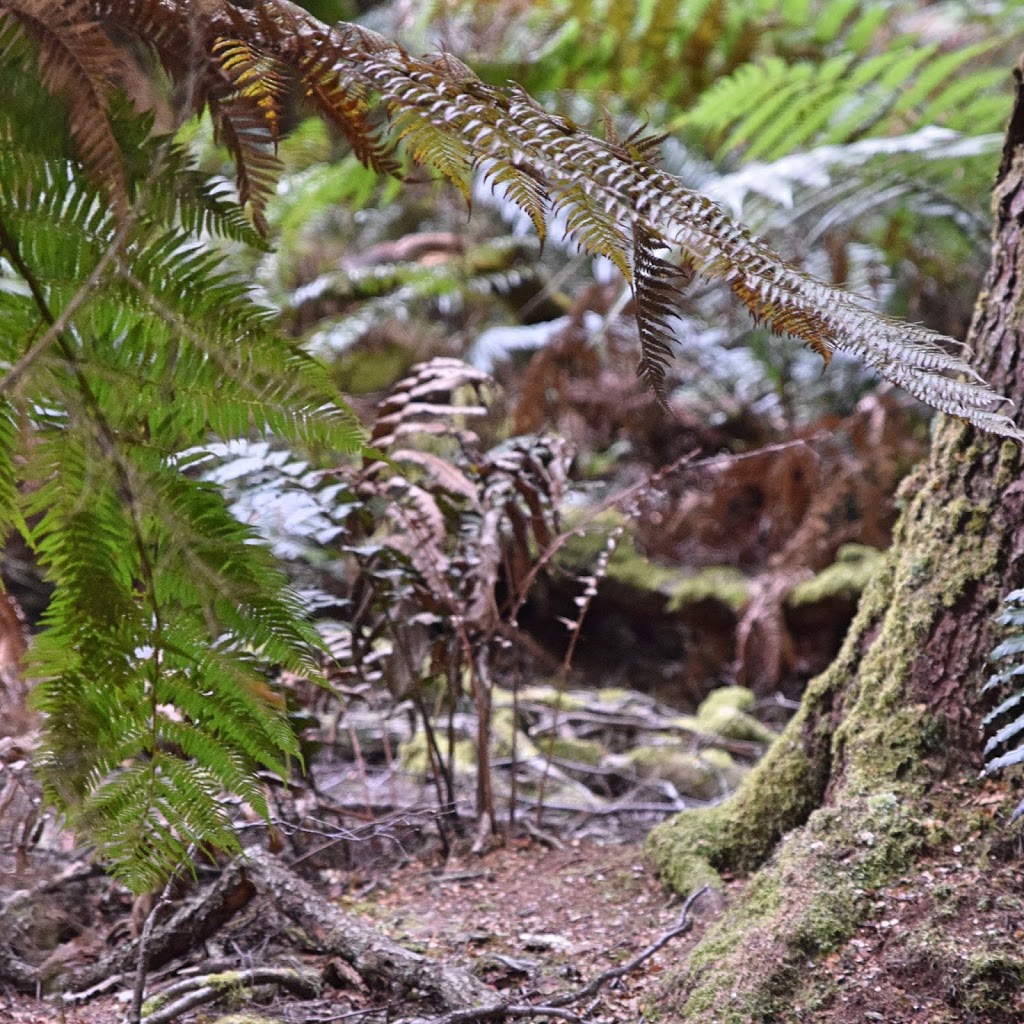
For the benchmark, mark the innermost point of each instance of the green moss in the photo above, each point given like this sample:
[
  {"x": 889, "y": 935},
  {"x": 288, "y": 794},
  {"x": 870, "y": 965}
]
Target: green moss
[
  {"x": 614, "y": 695},
  {"x": 688, "y": 872},
  {"x": 690, "y": 774},
  {"x": 753, "y": 964},
  {"x": 740, "y": 833},
  {"x": 735, "y": 725},
  {"x": 991, "y": 982},
  {"x": 846, "y": 578},
  {"x": 506, "y": 737},
  {"x": 737, "y": 698},
  {"x": 570, "y": 749},
  {"x": 724, "y": 584},
  {"x": 732, "y": 772},
  {"x": 701, "y": 982},
  {"x": 628, "y": 567},
  {"x": 414, "y": 759},
  {"x": 550, "y": 696}
]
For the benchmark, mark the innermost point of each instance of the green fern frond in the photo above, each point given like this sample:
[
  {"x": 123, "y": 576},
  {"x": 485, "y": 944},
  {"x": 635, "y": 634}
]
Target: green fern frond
[
  {"x": 147, "y": 820},
  {"x": 10, "y": 500},
  {"x": 591, "y": 227},
  {"x": 767, "y": 109},
  {"x": 524, "y": 188},
  {"x": 151, "y": 661}
]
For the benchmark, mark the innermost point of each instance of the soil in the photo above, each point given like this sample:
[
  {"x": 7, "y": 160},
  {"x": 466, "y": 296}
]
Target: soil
[{"x": 535, "y": 922}]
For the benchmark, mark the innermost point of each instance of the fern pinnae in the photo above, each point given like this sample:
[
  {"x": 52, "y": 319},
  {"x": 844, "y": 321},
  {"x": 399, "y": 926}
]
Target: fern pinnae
[
  {"x": 257, "y": 77},
  {"x": 632, "y": 193},
  {"x": 655, "y": 284},
  {"x": 241, "y": 126}
]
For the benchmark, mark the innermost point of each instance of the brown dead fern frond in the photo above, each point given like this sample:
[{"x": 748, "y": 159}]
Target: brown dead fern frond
[
  {"x": 78, "y": 62},
  {"x": 435, "y": 112}
]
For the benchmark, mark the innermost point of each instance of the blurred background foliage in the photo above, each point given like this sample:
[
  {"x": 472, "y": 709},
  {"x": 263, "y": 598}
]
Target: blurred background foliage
[{"x": 542, "y": 516}]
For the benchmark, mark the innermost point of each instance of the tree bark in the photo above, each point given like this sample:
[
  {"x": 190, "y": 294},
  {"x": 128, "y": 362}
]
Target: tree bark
[{"x": 876, "y": 778}]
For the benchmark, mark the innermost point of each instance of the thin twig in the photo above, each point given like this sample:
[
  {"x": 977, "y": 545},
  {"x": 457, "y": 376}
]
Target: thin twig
[
  {"x": 682, "y": 925},
  {"x": 139, "y": 990},
  {"x": 555, "y": 1007}
]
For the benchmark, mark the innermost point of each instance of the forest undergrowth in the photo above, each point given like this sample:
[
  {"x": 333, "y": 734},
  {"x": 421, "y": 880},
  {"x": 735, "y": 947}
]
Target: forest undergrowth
[{"x": 555, "y": 610}]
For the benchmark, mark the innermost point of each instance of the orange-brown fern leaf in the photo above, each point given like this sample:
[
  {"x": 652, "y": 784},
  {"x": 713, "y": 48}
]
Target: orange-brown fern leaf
[
  {"x": 257, "y": 77},
  {"x": 802, "y": 324},
  {"x": 342, "y": 100},
  {"x": 243, "y": 130},
  {"x": 181, "y": 36},
  {"x": 78, "y": 62}
]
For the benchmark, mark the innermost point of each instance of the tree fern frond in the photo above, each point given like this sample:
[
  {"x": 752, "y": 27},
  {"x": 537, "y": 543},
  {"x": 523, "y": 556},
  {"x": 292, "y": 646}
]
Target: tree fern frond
[
  {"x": 146, "y": 819},
  {"x": 342, "y": 101},
  {"x": 431, "y": 145},
  {"x": 522, "y": 187},
  {"x": 771, "y": 107},
  {"x": 824, "y": 317},
  {"x": 656, "y": 286},
  {"x": 242, "y": 127},
  {"x": 10, "y": 499},
  {"x": 199, "y": 204},
  {"x": 591, "y": 227},
  {"x": 79, "y": 63},
  {"x": 257, "y": 78},
  {"x": 1004, "y": 724},
  {"x": 449, "y": 118},
  {"x": 159, "y": 591}
]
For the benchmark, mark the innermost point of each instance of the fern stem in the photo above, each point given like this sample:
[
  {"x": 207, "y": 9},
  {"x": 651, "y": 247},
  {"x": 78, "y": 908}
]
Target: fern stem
[{"x": 58, "y": 324}]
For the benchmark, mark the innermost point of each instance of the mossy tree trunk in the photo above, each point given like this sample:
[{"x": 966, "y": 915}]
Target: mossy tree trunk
[{"x": 873, "y": 779}]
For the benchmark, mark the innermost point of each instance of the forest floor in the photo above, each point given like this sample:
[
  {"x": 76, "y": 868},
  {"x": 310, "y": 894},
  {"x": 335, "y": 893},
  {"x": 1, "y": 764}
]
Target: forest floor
[
  {"x": 535, "y": 921},
  {"x": 531, "y": 920}
]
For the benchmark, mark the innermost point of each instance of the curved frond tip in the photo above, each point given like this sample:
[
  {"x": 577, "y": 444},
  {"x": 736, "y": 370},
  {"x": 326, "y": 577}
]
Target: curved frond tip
[{"x": 436, "y": 112}]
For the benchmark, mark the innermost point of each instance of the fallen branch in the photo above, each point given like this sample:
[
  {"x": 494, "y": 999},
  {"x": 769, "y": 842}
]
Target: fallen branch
[
  {"x": 188, "y": 994},
  {"x": 195, "y": 920},
  {"x": 324, "y": 927}
]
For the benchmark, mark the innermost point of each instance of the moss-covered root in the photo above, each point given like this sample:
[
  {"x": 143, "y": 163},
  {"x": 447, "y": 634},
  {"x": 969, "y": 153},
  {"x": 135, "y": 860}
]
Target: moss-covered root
[
  {"x": 756, "y": 964},
  {"x": 739, "y": 834}
]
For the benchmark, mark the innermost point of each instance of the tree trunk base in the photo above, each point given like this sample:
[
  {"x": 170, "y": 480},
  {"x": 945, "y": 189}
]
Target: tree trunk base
[{"x": 903, "y": 905}]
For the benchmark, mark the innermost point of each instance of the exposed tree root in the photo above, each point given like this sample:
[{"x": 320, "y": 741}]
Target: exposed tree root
[{"x": 326, "y": 928}]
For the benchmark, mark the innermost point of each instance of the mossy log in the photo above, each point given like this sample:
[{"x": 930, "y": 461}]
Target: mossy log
[{"x": 846, "y": 802}]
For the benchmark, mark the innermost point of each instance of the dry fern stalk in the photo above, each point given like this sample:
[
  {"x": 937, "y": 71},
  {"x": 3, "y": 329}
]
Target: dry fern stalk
[{"x": 396, "y": 109}]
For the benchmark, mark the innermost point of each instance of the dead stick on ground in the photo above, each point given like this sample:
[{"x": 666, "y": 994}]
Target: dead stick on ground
[
  {"x": 554, "y": 1008},
  {"x": 187, "y": 995}
]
